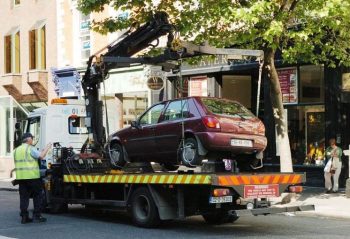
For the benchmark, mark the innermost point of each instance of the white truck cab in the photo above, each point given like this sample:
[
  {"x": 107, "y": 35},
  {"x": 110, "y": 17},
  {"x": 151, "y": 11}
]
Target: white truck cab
[{"x": 61, "y": 122}]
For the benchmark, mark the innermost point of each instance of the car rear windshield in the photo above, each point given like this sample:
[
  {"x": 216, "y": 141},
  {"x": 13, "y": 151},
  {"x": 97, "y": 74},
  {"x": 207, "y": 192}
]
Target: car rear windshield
[{"x": 226, "y": 107}]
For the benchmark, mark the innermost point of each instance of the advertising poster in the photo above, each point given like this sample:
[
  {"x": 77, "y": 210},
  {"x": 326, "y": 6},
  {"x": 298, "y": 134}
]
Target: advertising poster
[
  {"x": 198, "y": 86},
  {"x": 288, "y": 82}
]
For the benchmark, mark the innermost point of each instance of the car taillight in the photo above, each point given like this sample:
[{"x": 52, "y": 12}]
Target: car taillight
[
  {"x": 211, "y": 122},
  {"x": 261, "y": 128}
]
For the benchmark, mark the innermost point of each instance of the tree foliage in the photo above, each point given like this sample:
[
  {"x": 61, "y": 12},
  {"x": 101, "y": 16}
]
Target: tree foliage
[{"x": 312, "y": 31}]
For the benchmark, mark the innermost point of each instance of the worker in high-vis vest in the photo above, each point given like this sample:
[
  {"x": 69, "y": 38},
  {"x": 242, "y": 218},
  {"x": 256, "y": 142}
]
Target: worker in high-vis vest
[{"x": 28, "y": 177}]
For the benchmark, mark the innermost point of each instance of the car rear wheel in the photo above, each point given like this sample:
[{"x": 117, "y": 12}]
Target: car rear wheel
[
  {"x": 116, "y": 155},
  {"x": 143, "y": 208},
  {"x": 189, "y": 154}
]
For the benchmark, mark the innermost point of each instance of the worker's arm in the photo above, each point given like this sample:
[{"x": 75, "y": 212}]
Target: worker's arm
[
  {"x": 44, "y": 151},
  {"x": 40, "y": 155}
]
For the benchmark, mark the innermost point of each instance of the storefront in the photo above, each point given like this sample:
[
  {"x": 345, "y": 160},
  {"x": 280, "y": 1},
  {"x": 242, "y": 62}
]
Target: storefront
[
  {"x": 12, "y": 121},
  {"x": 316, "y": 101}
]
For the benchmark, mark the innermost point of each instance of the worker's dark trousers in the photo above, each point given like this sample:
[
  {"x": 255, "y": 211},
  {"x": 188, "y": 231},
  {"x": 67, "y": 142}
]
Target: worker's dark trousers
[{"x": 27, "y": 188}]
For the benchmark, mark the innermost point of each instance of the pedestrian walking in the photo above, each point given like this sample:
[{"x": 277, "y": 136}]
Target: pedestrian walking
[
  {"x": 333, "y": 166},
  {"x": 28, "y": 177}
]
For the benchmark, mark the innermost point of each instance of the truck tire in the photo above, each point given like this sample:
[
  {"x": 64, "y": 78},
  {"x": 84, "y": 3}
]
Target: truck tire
[
  {"x": 189, "y": 154},
  {"x": 116, "y": 155},
  {"x": 56, "y": 208},
  {"x": 143, "y": 209},
  {"x": 220, "y": 217}
]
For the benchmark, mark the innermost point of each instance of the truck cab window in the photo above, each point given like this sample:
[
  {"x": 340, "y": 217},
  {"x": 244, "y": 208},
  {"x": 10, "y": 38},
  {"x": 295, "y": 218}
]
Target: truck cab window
[
  {"x": 76, "y": 125},
  {"x": 34, "y": 128}
]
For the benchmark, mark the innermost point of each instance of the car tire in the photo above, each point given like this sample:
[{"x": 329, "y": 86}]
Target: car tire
[
  {"x": 116, "y": 155},
  {"x": 189, "y": 154},
  {"x": 220, "y": 217},
  {"x": 169, "y": 167},
  {"x": 143, "y": 209}
]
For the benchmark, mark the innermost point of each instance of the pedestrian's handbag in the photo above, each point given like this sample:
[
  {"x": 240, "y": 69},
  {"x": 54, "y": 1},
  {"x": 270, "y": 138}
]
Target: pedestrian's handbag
[
  {"x": 332, "y": 171},
  {"x": 328, "y": 167}
]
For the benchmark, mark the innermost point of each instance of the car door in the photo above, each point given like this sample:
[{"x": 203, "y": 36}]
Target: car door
[
  {"x": 140, "y": 143},
  {"x": 169, "y": 129}
]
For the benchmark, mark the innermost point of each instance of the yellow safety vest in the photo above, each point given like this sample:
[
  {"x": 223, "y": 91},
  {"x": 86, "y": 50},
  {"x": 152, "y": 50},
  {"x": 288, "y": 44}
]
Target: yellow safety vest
[{"x": 27, "y": 167}]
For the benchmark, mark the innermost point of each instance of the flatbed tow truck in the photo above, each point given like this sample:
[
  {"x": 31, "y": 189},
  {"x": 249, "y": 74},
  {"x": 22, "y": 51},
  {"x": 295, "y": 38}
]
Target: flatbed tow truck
[{"x": 152, "y": 196}]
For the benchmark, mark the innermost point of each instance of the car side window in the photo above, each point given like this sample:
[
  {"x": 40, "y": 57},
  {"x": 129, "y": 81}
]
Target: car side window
[
  {"x": 152, "y": 115},
  {"x": 177, "y": 110}
]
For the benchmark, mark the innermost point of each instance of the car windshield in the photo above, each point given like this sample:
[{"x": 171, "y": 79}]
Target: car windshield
[{"x": 226, "y": 107}]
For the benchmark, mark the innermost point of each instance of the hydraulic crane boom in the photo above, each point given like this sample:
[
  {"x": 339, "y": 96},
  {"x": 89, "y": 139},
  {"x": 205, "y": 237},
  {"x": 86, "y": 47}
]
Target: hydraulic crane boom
[
  {"x": 133, "y": 43},
  {"x": 119, "y": 55}
]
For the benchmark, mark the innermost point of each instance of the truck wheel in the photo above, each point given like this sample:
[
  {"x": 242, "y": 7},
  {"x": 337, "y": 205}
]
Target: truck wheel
[
  {"x": 56, "y": 208},
  {"x": 143, "y": 208},
  {"x": 116, "y": 155},
  {"x": 217, "y": 218},
  {"x": 189, "y": 153}
]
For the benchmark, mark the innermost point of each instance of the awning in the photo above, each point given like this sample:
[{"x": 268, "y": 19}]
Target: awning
[
  {"x": 13, "y": 30},
  {"x": 38, "y": 24}
]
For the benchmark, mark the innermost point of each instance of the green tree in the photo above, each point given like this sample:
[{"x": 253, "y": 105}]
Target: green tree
[{"x": 313, "y": 31}]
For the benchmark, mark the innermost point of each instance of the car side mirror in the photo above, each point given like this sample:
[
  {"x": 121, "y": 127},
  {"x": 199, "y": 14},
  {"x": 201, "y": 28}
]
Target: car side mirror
[{"x": 134, "y": 124}]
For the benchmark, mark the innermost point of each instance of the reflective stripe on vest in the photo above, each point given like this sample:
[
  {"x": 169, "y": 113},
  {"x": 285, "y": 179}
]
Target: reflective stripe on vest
[{"x": 27, "y": 167}]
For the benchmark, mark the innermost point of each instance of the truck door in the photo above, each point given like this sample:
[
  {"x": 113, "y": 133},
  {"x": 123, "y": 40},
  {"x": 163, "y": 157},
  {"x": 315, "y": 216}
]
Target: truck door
[
  {"x": 140, "y": 140},
  {"x": 34, "y": 127}
]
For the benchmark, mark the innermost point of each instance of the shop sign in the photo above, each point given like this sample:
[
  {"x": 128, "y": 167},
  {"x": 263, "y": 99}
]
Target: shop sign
[
  {"x": 155, "y": 83},
  {"x": 346, "y": 82},
  {"x": 289, "y": 84},
  {"x": 198, "y": 86}
]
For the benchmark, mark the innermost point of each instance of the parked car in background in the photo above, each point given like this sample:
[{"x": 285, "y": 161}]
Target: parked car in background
[{"x": 184, "y": 131}]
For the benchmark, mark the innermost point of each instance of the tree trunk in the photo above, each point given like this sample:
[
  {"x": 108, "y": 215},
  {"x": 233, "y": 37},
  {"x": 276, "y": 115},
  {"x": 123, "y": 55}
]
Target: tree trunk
[{"x": 278, "y": 113}]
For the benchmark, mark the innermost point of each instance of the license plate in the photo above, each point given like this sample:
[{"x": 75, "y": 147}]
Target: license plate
[
  {"x": 261, "y": 191},
  {"x": 241, "y": 143},
  {"x": 223, "y": 199}
]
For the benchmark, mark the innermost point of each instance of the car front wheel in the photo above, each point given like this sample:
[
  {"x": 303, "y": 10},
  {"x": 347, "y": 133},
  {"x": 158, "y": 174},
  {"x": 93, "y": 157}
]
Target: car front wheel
[
  {"x": 189, "y": 154},
  {"x": 116, "y": 155}
]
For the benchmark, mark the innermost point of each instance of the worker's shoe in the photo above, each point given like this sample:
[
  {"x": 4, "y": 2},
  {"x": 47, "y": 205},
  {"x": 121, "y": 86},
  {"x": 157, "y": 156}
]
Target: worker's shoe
[
  {"x": 39, "y": 219},
  {"x": 26, "y": 219}
]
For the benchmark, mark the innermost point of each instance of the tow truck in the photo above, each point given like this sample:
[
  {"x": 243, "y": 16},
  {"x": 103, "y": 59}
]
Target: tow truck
[{"x": 151, "y": 196}]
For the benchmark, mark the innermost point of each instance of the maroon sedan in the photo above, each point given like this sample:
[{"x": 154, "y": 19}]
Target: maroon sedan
[{"x": 184, "y": 131}]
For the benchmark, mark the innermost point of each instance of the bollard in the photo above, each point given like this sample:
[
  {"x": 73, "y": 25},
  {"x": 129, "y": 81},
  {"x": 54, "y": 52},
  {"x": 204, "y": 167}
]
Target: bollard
[{"x": 347, "y": 188}]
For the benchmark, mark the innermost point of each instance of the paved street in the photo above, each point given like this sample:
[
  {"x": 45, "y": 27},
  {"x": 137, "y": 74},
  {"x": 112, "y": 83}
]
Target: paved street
[{"x": 79, "y": 223}]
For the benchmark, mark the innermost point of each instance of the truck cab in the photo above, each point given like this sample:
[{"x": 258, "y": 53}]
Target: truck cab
[{"x": 61, "y": 122}]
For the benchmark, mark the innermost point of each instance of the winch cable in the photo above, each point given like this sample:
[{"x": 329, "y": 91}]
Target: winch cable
[{"x": 261, "y": 64}]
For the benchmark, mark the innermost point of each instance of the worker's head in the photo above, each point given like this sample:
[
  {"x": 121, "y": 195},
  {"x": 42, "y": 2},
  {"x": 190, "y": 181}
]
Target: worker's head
[
  {"x": 332, "y": 142},
  {"x": 27, "y": 138}
]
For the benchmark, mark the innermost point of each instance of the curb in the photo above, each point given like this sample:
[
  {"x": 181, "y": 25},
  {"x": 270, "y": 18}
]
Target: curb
[{"x": 9, "y": 189}]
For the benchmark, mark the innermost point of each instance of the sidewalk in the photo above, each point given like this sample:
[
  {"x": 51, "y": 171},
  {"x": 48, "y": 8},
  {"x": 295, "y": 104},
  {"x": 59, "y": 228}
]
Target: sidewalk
[{"x": 327, "y": 205}]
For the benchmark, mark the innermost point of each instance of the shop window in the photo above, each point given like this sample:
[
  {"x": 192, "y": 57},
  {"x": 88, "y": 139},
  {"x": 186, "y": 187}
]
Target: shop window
[
  {"x": 12, "y": 53},
  {"x": 311, "y": 84},
  {"x": 181, "y": 87},
  {"x": 237, "y": 88},
  {"x": 37, "y": 48},
  {"x": 306, "y": 129}
]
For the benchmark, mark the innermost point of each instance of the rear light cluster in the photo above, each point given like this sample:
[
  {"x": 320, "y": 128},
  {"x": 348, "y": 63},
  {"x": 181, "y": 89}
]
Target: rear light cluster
[
  {"x": 295, "y": 189},
  {"x": 211, "y": 122},
  {"x": 261, "y": 128},
  {"x": 219, "y": 192}
]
